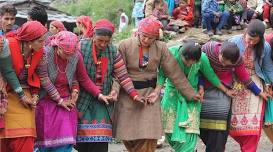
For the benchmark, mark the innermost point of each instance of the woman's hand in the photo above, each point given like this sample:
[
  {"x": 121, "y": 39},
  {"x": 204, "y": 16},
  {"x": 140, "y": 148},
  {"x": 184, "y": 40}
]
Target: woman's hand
[
  {"x": 104, "y": 98},
  {"x": 268, "y": 89},
  {"x": 201, "y": 92},
  {"x": 265, "y": 96},
  {"x": 35, "y": 99},
  {"x": 140, "y": 99},
  {"x": 74, "y": 96},
  {"x": 26, "y": 101},
  {"x": 114, "y": 95},
  {"x": 151, "y": 98},
  {"x": 230, "y": 92},
  {"x": 67, "y": 104}
]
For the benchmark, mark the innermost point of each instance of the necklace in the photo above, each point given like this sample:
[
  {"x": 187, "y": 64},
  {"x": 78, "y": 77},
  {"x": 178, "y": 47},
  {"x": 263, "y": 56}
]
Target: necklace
[
  {"x": 94, "y": 54},
  {"x": 27, "y": 60},
  {"x": 143, "y": 61},
  {"x": 57, "y": 65}
]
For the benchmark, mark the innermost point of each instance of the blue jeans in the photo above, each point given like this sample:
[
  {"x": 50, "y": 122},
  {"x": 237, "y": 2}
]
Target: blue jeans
[{"x": 208, "y": 20}]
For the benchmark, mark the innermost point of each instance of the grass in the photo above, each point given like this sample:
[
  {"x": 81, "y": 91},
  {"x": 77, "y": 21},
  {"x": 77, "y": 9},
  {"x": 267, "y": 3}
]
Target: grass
[{"x": 117, "y": 37}]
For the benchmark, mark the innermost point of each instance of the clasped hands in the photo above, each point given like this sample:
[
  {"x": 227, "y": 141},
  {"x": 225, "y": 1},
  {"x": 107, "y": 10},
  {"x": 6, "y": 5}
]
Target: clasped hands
[{"x": 148, "y": 100}]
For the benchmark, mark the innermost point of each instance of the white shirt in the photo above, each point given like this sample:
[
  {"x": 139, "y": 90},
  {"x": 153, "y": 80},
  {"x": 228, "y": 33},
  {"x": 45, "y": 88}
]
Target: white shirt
[{"x": 123, "y": 22}]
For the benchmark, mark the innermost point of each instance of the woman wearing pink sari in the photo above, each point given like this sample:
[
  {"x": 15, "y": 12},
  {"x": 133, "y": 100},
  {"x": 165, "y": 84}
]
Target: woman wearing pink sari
[{"x": 56, "y": 117}]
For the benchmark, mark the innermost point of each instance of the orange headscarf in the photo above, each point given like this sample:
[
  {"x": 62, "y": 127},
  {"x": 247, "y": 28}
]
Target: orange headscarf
[
  {"x": 29, "y": 31},
  {"x": 150, "y": 26},
  {"x": 105, "y": 24}
]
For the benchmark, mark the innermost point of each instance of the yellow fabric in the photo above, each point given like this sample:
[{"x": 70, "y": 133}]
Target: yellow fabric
[
  {"x": 19, "y": 121},
  {"x": 213, "y": 124}
]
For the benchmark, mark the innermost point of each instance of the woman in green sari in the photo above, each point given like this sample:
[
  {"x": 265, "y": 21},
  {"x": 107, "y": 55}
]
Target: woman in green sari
[{"x": 180, "y": 116}]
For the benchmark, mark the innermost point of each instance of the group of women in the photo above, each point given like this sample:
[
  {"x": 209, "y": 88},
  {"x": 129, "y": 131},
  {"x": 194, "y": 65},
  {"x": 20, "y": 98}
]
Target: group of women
[
  {"x": 61, "y": 91},
  {"x": 234, "y": 79}
]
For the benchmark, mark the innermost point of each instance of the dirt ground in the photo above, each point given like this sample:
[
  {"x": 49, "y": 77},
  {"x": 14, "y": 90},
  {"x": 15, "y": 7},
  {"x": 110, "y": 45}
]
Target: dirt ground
[{"x": 231, "y": 146}]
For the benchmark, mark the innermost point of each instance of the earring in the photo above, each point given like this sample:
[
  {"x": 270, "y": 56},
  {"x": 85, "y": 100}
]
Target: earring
[{"x": 30, "y": 46}]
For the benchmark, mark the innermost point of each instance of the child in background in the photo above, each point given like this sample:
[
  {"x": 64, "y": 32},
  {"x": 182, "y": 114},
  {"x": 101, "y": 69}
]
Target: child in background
[
  {"x": 212, "y": 16},
  {"x": 184, "y": 12},
  {"x": 161, "y": 12},
  {"x": 138, "y": 11},
  {"x": 123, "y": 21},
  {"x": 253, "y": 10},
  {"x": 266, "y": 14},
  {"x": 235, "y": 9},
  {"x": 182, "y": 18}
]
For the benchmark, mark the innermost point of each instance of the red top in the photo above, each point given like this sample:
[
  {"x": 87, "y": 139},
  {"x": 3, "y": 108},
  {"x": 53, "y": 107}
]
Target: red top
[{"x": 185, "y": 13}]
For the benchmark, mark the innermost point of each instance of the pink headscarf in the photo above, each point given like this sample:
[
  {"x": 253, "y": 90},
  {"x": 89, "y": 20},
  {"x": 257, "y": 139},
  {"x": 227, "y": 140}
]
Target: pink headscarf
[
  {"x": 31, "y": 30},
  {"x": 59, "y": 25},
  {"x": 66, "y": 40},
  {"x": 86, "y": 21},
  {"x": 150, "y": 26},
  {"x": 105, "y": 24}
]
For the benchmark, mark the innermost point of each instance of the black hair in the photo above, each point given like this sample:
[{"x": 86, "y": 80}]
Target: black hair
[
  {"x": 38, "y": 14},
  {"x": 254, "y": 29},
  {"x": 8, "y": 8},
  {"x": 191, "y": 51},
  {"x": 103, "y": 32},
  {"x": 230, "y": 51}
]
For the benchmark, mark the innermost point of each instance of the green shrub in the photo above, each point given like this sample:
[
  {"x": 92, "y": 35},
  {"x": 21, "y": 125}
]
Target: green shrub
[
  {"x": 123, "y": 35},
  {"x": 97, "y": 9}
]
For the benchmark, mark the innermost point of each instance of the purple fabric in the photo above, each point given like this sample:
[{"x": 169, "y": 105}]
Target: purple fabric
[{"x": 55, "y": 125}]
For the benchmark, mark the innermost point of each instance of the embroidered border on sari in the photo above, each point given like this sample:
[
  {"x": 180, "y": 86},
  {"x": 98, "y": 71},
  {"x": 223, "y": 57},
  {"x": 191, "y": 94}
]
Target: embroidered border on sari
[
  {"x": 56, "y": 142},
  {"x": 94, "y": 133},
  {"x": 213, "y": 124}
]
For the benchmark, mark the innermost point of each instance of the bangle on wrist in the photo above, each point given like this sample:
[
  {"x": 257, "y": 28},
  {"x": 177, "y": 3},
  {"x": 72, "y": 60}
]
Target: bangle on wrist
[{"x": 60, "y": 101}]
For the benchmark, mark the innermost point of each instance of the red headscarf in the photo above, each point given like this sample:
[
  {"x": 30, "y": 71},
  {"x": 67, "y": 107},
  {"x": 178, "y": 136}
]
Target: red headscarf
[
  {"x": 59, "y": 25},
  {"x": 86, "y": 21},
  {"x": 66, "y": 40},
  {"x": 105, "y": 24},
  {"x": 150, "y": 26},
  {"x": 31, "y": 30}
]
